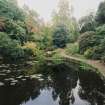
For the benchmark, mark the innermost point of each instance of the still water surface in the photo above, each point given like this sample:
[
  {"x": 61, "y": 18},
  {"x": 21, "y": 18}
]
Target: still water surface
[{"x": 63, "y": 87}]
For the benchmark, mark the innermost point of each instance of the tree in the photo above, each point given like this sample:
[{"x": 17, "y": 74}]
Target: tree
[
  {"x": 100, "y": 15},
  {"x": 9, "y": 9},
  {"x": 101, "y": 31},
  {"x": 47, "y": 36},
  {"x": 2, "y": 24},
  {"x": 64, "y": 17},
  {"x": 16, "y": 30},
  {"x": 87, "y": 23},
  {"x": 10, "y": 48},
  {"x": 60, "y": 36},
  {"x": 32, "y": 20}
]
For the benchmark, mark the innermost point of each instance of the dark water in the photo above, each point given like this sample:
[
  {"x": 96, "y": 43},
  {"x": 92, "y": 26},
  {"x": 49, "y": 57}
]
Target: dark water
[{"x": 63, "y": 86}]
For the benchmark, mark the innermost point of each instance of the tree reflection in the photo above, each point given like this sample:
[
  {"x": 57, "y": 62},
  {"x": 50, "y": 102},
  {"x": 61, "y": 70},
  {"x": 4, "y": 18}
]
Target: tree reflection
[
  {"x": 17, "y": 95},
  {"x": 63, "y": 83},
  {"x": 93, "y": 88},
  {"x": 66, "y": 87}
]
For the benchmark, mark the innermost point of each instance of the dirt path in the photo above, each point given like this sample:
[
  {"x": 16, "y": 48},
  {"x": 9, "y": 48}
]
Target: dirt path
[{"x": 95, "y": 63}]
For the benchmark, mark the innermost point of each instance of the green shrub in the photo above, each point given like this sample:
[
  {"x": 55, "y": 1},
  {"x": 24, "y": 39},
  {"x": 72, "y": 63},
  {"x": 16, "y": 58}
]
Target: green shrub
[
  {"x": 103, "y": 58},
  {"x": 101, "y": 30},
  {"x": 97, "y": 52},
  {"x": 87, "y": 23},
  {"x": 57, "y": 58},
  {"x": 10, "y": 48},
  {"x": 60, "y": 36},
  {"x": 15, "y": 30},
  {"x": 100, "y": 15},
  {"x": 72, "y": 48},
  {"x": 40, "y": 55},
  {"x": 10, "y": 9},
  {"x": 17, "y": 53},
  {"x": 88, "y": 40},
  {"x": 88, "y": 53},
  {"x": 85, "y": 67}
]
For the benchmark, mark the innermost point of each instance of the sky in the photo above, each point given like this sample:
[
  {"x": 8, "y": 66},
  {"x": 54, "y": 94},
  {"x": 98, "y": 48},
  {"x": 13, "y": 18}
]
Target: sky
[{"x": 45, "y": 7}]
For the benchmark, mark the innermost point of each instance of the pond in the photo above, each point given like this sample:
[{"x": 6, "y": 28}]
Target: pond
[{"x": 62, "y": 86}]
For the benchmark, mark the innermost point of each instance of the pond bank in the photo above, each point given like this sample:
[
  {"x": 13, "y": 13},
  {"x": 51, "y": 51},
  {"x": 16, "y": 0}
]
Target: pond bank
[{"x": 94, "y": 63}]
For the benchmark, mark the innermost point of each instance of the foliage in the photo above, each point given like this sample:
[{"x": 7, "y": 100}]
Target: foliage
[
  {"x": 16, "y": 31},
  {"x": 40, "y": 56},
  {"x": 88, "y": 53},
  {"x": 10, "y": 9},
  {"x": 63, "y": 14},
  {"x": 60, "y": 36},
  {"x": 2, "y": 24},
  {"x": 46, "y": 37},
  {"x": 32, "y": 21},
  {"x": 87, "y": 23},
  {"x": 88, "y": 40},
  {"x": 103, "y": 58},
  {"x": 10, "y": 48},
  {"x": 23, "y": 34},
  {"x": 92, "y": 44},
  {"x": 84, "y": 66},
  {"x": 100, "y": 15},
  {"x": 72, "y": 48},
  {"x": 64, "y": 17},
  {"x": 101, "y": 30},
  {"x": 57, "y": 58},
  {"x": 99, "y": 51},
  {"x": 30, "y": 46}
]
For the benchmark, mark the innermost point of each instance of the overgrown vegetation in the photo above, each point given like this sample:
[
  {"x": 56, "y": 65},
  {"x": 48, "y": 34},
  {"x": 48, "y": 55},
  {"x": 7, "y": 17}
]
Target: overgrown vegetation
[
  {"x": 72, "y": 48},
  {"x": 60, "y": 36},
  {"x": 23, "y": 35},
  {"x": 91, "y": 42}
]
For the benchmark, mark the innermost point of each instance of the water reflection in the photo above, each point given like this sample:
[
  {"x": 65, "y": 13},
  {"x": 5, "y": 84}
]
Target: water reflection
[
  {"x": 63, "y": 83},
  {"x": 65, "y": 87},
  {"x": 93, "y": 88},
  {"x": 16, "y": 95}
]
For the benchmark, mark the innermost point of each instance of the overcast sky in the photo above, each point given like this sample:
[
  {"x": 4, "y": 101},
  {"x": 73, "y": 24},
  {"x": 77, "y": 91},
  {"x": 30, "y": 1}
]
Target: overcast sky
[{"x": 45, "y": 7}]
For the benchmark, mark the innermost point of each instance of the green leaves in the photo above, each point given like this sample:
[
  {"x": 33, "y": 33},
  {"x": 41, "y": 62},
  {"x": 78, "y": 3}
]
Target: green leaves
[
  {"x": 60, "y": 36},
  {"x": 100, "y": 15},
  {"x": 10, "y": 10},
  {"x": 87, "y": 23},
  {"x": 101, "y": 30},
  {"x": 8, "y": 48}
]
